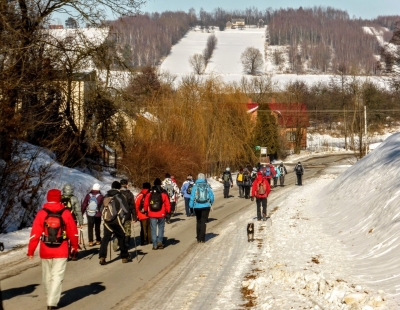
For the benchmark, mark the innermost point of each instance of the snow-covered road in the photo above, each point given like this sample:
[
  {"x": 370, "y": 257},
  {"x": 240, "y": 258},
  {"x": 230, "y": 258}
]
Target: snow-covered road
[{"x": 292, "y": 264}]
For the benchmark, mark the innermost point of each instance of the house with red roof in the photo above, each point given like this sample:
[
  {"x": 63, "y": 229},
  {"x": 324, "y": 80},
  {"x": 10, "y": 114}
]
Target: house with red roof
[{"x": 292, "y": 120}]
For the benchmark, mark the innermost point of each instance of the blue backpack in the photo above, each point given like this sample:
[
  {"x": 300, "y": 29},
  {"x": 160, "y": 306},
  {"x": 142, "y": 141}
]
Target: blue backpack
[
  {"x": 92, "y": 208},
  {"x": 267, "y": 171},
  {"x": 202, "y": 193}
]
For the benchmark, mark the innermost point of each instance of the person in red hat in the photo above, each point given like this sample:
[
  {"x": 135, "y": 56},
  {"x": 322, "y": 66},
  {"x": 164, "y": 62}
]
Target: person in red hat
[
  {"x": 260, "y": 189},
  {"x": 53, "y": 226}
]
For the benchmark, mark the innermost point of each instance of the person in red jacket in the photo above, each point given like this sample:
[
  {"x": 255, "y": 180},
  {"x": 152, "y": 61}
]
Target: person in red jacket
[
  {"x": 157, "y": 206},
  {"x": 54, "y": 258},
  {"x": 145, "y": 232},
  {"x": 260, "y": 189}
]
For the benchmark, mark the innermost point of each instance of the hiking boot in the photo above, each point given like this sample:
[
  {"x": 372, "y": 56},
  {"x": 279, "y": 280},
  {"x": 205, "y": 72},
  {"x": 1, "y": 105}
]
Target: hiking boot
[
  {"x": 155, "y": 248},
  {"x": 160, "y": 246},
  {"x": 91, "y": 244},
  {"x": 126, "y": 259},
  {"x": 52, "y": 308},
  {"x": 102, "y": 261}
]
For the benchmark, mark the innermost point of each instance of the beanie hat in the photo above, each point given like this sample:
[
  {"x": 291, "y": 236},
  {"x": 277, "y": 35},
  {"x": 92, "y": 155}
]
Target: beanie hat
[
  {"x": 167, "y": 175},
  {"x": 54, "y": 195},
  {"x": 96, "y": 187},
  {"x": 146, "y": 185},
  {"x": 228, "y": 169},
  {"x": 116, "y": 185},
  {"x": 157, "y": 181},
  {"x": 201, "y": 176},
  {"x": 124, "y": 182},
  {"x": 68, "y": 190}
]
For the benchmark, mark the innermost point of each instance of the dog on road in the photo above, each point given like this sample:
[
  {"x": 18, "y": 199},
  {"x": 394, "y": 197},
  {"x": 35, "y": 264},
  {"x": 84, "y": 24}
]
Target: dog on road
[{"x": 250, "y": 232}]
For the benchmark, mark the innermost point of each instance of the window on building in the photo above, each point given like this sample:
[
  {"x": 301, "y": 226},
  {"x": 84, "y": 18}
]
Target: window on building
[{"x": 290, "y": 136}]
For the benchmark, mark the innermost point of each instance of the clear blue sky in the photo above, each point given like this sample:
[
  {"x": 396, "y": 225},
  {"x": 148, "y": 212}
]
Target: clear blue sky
[
  {"x": 366, "y": 9},
  {"x": 360, "y": 8}
]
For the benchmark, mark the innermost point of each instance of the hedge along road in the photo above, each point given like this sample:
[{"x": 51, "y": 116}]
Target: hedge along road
[{"x": 88, "y": 285}]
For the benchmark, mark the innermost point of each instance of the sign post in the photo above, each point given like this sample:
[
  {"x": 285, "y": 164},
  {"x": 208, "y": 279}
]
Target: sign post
[{"x": 263, "y": 153}]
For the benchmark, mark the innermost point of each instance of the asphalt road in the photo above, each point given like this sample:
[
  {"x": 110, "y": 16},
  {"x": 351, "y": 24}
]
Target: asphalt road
[{"x": 88, "y": 285}]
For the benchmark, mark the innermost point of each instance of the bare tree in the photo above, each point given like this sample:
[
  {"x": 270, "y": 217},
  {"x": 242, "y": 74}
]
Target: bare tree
[
  {"x": 209, "y": 50},
  {"x": 252, "y": 60},
  {"x": 198, "y": 63}
]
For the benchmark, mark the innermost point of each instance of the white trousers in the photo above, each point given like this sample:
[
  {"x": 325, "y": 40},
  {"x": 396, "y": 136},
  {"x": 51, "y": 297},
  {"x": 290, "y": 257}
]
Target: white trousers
[{"x": 52, "y": 277}]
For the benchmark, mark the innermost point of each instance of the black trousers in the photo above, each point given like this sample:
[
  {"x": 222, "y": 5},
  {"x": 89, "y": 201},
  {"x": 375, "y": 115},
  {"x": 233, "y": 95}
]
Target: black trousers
[
  {"x": 201, "y": 218},
  {"x": 247, "y": 192},
  {"x": 169, "y": 215},
  {"x": 299, "y": 177},
  {"x": 119, "y": 234},
  {"x": 226, "y": 191},
  {"x": 94, "y": 222},
  {"x": 261, "y": 202}
]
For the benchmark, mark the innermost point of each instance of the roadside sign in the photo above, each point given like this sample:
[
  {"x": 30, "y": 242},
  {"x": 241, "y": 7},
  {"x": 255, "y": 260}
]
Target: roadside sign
[{"x": 263, "y": 151}]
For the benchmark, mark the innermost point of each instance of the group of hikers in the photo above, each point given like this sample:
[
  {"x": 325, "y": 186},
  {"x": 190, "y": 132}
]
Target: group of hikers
[
  {"x": 153, "y": 206},
  {"x": 245, "y": 178},
  {"x": 56, "y": 224}
]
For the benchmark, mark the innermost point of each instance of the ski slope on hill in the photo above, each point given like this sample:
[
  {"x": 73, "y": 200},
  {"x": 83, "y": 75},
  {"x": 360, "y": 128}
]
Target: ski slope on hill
[
  {"x": 226, "y": 58},
  {"x": 226, "y": 63},
  {"x": 231, "y": 44}
]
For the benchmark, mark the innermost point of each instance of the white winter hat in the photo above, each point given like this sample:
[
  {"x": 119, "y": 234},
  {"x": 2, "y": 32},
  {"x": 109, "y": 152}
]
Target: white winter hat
[
  {"x": 228, "y": 169},
  {"x": 96, "y": 187},
  {"x": 201, "y": 176}
]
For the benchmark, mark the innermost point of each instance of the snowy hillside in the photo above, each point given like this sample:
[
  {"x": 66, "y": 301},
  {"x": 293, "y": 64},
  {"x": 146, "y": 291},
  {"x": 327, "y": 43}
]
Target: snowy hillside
[
  {"x": 226, "y": 57},
  {"x": 361, "y": 207},
  {"x": 225, "y": 62}
]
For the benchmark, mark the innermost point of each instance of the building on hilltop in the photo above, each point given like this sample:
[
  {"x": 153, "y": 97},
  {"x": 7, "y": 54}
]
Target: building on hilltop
[{"x": 238, "y": 23}]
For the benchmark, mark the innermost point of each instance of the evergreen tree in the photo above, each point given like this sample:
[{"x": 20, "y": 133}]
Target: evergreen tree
[{"x": 265, "y": 132}]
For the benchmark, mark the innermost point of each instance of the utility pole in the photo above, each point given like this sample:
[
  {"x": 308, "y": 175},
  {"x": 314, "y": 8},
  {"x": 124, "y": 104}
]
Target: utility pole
[{"x": 365, "y": 128}]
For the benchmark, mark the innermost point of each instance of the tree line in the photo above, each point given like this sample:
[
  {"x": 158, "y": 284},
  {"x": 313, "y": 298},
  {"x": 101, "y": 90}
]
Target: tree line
[{"x": 326, "y": 39}]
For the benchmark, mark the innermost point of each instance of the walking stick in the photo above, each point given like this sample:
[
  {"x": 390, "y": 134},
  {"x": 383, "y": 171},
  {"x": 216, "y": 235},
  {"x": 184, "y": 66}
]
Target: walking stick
[
  {"x": 134, "y": 241},
  {"x": 110, "y": 247},
  {"x": 82, "y": 239}
]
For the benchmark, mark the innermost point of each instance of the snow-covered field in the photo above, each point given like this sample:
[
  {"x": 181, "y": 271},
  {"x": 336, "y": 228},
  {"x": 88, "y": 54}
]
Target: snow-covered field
[
  {"x": 225, "y": 62},
  {"x": 226, "y": 57}
]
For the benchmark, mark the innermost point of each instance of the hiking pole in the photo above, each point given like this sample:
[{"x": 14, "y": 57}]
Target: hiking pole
[
  {"x": 110, "y": 247},
  {"x": 134, "y": 241},
  {"x": 82, "y": 239}
]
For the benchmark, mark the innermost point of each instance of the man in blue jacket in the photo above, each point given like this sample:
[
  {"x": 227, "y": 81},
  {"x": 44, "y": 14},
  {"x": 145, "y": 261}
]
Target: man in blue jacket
[{"x": 201, "y": 199}]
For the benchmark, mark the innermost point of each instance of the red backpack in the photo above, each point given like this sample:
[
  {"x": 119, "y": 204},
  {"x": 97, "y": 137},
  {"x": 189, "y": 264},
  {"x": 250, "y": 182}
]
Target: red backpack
[{"x": 54, "y": 229}]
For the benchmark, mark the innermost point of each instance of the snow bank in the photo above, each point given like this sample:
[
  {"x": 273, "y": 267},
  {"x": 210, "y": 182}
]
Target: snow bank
[{"x": 361, "y": 208}]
